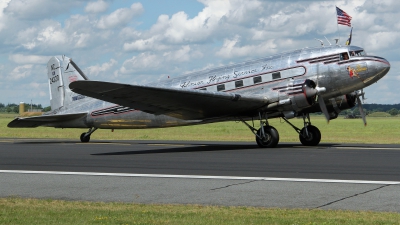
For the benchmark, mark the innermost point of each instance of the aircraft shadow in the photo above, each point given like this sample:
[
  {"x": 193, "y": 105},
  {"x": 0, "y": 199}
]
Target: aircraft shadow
[{"x": 198, "y": 148}]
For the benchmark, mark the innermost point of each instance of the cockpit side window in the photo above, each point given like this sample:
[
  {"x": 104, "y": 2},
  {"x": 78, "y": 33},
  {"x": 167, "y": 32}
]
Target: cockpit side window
[{"x": 344, "y": 56}]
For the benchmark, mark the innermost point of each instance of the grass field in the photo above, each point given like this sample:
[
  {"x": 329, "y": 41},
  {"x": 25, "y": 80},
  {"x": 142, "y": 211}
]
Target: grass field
[
  {"x": 32, "y": 211},
  {"x": 384, "y": 130}
]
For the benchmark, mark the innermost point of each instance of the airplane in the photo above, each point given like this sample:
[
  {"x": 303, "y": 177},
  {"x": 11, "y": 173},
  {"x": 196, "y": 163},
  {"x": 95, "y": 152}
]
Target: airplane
[{"x": 324, "y": 79}]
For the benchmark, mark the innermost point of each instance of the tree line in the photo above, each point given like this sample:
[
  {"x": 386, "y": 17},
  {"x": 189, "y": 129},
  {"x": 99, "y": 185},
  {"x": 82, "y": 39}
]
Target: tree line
[
  {"x": 393, "y": 110},
  {"x": 14, "y": 108}
]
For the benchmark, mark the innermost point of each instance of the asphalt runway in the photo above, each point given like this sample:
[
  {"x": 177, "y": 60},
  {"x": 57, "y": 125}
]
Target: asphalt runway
[{"x": 328, "y": 176}]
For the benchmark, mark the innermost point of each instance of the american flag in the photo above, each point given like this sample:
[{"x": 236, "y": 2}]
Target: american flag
[{"x": 343, "y": 18}]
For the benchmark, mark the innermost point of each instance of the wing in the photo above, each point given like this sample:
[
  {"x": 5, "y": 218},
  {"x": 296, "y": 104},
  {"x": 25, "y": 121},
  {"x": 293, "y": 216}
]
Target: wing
[
  {"x": 36, "y": 121},
  {"x": 180, "y": 103}
]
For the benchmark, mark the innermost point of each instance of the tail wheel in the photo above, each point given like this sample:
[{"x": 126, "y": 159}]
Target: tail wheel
[
  {"x": 85, "y": 138},
  {"x": 270, "y": 139},
  {"x": 311, "y": 137}
]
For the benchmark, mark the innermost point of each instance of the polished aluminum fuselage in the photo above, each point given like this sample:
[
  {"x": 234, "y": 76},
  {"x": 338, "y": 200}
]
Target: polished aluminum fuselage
[{"x": 266, "y": 77}]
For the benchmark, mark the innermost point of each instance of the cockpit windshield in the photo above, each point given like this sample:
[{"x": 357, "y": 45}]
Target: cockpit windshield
[{"x": 357, "y": 53}]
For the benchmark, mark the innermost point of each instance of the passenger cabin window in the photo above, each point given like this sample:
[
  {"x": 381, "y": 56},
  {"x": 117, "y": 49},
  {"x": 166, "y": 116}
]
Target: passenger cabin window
[
  {"x": 344, "y": 56},
  {"x": 257, "y": 79},
  {"x": 239, "y": 83},
  {"x": 221, "y": 87},
  {"x": 276, "y": 75}
]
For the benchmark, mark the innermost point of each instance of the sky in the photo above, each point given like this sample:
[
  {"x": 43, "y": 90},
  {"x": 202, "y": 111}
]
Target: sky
[{"x": 145, "y": 41}]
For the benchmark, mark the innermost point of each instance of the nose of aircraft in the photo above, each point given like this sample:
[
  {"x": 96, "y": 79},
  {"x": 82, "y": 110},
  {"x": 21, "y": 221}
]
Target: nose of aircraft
[{"x": 383, "y": 67}]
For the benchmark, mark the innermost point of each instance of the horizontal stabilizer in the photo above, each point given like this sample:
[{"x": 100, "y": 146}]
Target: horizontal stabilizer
[
  {"x": 180, "y": 103},
  {"x": 36, "y": 121}
]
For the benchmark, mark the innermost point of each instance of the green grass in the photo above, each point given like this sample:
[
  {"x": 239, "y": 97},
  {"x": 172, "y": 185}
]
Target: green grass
[
  {"x": 379, "y": 114},
  {"x": 33, "y": 211},
  {"x": 383, "y": 130}
]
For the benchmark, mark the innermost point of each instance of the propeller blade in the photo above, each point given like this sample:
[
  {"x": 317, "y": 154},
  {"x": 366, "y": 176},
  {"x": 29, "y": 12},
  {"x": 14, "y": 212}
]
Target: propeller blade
[
  {"x": 360, "y": 108},
  {"x": 324, "y": 110},
  {"x": 363, "y": 95}
]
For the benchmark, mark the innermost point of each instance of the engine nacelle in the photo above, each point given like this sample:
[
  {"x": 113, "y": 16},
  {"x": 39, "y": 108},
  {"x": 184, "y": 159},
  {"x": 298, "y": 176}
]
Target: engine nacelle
[
  {"x": 297, "y": 95},
  {"x": 335, "y": 105}
]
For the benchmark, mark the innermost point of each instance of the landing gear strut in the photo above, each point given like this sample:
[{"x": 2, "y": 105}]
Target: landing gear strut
[
  {"x": 266, "y": 136},
  {"x": 85, "y": 137},
  {"x": 309, "y": 135}
]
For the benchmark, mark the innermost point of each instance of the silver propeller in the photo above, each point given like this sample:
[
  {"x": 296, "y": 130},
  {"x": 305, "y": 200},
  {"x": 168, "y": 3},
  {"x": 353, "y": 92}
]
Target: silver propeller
[
  {"x": 361, "y": 93},
  {"x": 321, "y": 103}
]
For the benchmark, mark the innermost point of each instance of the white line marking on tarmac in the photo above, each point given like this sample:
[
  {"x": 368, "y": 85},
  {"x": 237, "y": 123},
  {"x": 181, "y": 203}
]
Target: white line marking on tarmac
[
  {"x": 367, "y": 148},
  {"x": 201, "y": 177}
]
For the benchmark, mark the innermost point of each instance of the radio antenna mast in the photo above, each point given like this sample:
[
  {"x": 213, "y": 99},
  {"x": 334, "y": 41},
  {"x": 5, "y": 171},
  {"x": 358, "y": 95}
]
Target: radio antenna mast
[
  {"x": 327, "y": 40},
  {"x": 322, "y": 43}
]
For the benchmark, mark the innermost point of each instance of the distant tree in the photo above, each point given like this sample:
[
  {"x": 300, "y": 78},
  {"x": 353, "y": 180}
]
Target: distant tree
[
  {"x": 47, "y": 109},
  {"x": 393, "y": 111},
  {"x": 346, "y": 112},
  {"x": 356, "y": 111}
]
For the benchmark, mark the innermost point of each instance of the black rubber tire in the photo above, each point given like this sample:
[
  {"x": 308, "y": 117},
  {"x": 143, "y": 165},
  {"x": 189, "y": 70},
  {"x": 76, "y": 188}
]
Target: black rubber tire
[
  {"x": 314, "y": 136},
  {"x": 85, "y": 138},
  {"x": 272, "y": 137}
]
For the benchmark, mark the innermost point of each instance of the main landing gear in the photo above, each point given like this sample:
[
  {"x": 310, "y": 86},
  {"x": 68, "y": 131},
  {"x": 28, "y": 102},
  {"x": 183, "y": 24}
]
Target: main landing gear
[
  {"x": 266, "y": 136},
  {"x": 309, "y": 135},
  {"x": 85, "y": 137}
]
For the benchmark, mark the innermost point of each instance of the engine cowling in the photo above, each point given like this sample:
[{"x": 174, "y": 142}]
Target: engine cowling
[
  {"x": 335, "y": 105},
  {"x": 297, "y": 95}
]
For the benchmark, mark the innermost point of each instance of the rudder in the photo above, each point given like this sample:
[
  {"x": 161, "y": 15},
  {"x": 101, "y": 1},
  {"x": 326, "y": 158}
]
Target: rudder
[{"x": 61, "y": 72}]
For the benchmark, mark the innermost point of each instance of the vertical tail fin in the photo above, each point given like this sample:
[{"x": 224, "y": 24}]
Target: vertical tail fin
[{"x": 61, "y": 72}]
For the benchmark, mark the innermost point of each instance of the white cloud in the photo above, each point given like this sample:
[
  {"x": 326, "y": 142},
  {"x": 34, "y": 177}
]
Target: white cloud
[
  {"x": 120, "y": 17},
  {"x": 141, "y": 62},
  {"x": 146, "y": 61},
  {"x": 96, "y": 7},
  {"x": 381, "y": 40},
  {"x": 145, "y": 45},
  {"x": 232, "y": 49},
  {"x": 81, "y": 40},
  {"x": 183, "y": 54},
  {"x": 52, "y": 35},
  {"x": 38, "y": 9},
  {"x": 3, "y": 5},
  {"x": 20, "y": 72},
  {"x": 48, "y": 35},
  {"x": 97, "y": 69},
  {"x": 380, "y": 6},
  {"x": 29, "y": 59}
]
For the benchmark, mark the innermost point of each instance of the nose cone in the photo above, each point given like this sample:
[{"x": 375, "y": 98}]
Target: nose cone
[
  {"x": 382, "y": 67},
  {"x": 386, "y": 66}
]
